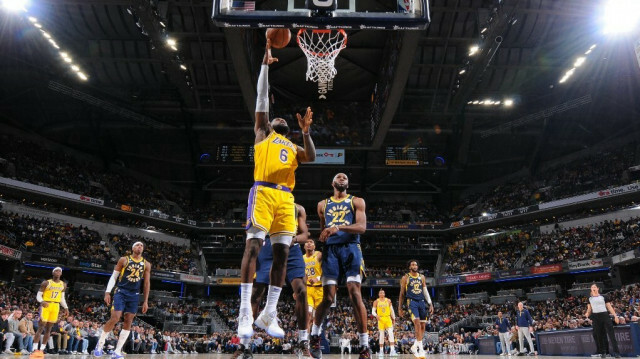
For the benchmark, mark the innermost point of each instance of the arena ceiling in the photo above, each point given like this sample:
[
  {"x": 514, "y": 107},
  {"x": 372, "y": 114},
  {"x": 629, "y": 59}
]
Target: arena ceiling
[{"x": 139, "y": 107}]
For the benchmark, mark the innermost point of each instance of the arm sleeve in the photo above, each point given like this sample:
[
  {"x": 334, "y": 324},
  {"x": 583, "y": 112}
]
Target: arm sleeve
[
  {"x": 63, "y": 301},
  {"x": 393, "y": 312},
  {"x": 262, "y": 101},
  {"x": 373, "y": 311},
  {"x": 426, "y": 295},
  {"x": 112, "y": 281},
  {"x": 39, "y": 297}
]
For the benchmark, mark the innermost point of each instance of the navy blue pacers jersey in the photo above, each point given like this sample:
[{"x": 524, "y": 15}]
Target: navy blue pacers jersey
[
  {"x": 414, "y": 288},
  {"x": 131, "y": 275},
  {"x": 340, "y": 212}
]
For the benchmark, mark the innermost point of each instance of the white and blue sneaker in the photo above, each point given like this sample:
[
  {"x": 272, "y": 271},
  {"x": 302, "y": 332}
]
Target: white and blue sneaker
[
  {"x": 97, "y": 353},
  {"x": 116, "y": 356}
]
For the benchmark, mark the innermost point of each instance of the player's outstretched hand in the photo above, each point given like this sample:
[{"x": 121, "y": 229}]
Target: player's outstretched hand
[
  {"x": 268, "y": 59},
  {"x": 145, "y": 307},
  {"x": 107, "y": 298},
  {"x": 306, "y": 121},
  {"x": 65, "y": 312}
]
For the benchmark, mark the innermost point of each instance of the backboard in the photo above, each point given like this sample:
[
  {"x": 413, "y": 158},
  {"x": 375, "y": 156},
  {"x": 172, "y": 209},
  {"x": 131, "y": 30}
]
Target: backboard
[{"x": 348, "y": 14}]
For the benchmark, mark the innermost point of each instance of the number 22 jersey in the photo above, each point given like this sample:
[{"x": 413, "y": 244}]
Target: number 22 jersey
[{"x": 340, "y": 212}]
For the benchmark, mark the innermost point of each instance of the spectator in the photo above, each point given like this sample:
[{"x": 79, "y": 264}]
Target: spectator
[{"x": 26, "y": 328}]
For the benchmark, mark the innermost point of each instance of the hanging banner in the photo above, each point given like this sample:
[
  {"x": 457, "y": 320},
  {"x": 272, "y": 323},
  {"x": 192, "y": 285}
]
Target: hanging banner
[
  {"x": 191, "y": 278},
  {"x": 10, "y": 252},
  {"x": 588, "y": 263},
  {"x": 551, "y": 268},
  {"x": 329, "y": 156}
]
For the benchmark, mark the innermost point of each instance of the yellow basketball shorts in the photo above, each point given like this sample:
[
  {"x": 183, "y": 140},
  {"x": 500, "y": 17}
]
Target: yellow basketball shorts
[
  {"x": 272, "y": 210},
  {"x": 314, "y": 296},
  {"x": 50, "y": 313},
  {"x": 384, "y": 323}
]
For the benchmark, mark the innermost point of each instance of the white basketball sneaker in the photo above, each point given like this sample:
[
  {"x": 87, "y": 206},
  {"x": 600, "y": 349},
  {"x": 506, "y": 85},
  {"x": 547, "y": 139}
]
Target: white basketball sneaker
[{"x": 269, "y": 323}]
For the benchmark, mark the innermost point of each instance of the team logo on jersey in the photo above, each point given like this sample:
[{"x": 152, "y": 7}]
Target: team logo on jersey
[{"x": 339, "y": 212}]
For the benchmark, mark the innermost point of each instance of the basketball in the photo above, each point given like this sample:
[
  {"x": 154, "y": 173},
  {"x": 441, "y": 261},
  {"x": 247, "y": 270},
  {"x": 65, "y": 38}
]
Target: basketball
[{"x": 279, "y": 37}]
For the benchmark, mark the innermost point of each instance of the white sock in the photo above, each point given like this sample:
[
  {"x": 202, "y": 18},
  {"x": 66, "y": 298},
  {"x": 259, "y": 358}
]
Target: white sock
[
  {"x": 124, "y": 335},
  {"x": 303, "y": 335},
  {"x": 315, "y": 330},
  {"x": 103, "y": 338},
  {"x": 364, "y": 339},
  {"x": 272, "y": 299},
  {"x": 245, "y": 298}
]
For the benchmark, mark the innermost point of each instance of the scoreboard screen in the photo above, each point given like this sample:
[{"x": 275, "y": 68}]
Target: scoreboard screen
[
  {"x": 227, "y": 153},
  {"x": 406, "y": 156}
]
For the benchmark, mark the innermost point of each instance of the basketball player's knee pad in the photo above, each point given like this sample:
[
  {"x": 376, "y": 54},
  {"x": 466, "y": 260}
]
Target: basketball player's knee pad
[
  {"x": 285, "y": 239},
  {"x": 381, "y": 337},
  {"x": 354, "y": 278},
  {"x": 390, "y": 334},
  {"x": 257, "y": 233}
]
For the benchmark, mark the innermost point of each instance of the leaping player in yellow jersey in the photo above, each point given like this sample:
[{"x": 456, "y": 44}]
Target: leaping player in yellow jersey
[
  {"x": 383, "y": 310},
  {"x": 313, "y": 272},
  {"x": 51, "y": 298},
  {"x": 271, "y": 208}
]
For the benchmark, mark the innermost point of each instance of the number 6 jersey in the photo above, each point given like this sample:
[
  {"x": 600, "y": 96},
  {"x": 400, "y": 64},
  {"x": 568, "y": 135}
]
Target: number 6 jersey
[{"x": 275, "y": 161}]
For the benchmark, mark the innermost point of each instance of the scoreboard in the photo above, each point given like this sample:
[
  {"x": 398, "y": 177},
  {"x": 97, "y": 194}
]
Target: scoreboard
[
  {"x": 228, "y": 153},
  {"x": 406, "y": 156}
]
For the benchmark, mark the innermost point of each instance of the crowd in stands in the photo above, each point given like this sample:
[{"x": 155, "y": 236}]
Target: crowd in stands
[
  {"x": 51, "y": 237},
  {"x": 486, "y": 253},
  {"x": 599, "y": 171},
  {"x": 578, "y": 243},
  {"x": 162, "y": 255}
]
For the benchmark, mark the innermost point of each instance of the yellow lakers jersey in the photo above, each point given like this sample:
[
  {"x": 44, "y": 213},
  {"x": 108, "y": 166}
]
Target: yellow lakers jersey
[
  {"x": 383, "y": 308},
  {"x": 312, "y": 268},
  {"x": 53, "y": 292},
  {"x": 275, "y": 161}
]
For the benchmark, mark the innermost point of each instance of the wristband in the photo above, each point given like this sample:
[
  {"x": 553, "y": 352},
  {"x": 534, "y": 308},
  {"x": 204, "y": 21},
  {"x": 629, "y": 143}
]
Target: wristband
[{"x": 306, "y": 133}]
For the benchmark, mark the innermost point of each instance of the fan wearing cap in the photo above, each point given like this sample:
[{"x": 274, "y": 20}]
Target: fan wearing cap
[
  {"x": 51, "y": 298},
  {"x": 127, "y": 278}
]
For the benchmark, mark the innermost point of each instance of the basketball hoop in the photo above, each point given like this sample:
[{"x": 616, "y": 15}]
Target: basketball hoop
[{"x": 321, "y": 47}]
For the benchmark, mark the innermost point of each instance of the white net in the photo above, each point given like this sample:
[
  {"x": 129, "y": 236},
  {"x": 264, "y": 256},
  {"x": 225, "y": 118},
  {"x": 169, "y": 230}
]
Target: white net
[{"x": 321, "y": 48}]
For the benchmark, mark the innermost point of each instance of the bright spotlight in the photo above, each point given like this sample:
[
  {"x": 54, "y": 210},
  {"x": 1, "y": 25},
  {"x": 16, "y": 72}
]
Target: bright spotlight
[
  {"x": 67, "y": 59},
  {"x": 15, "y": 5},
  {"x": 621, "y": 16},
  {"x": 82, "y": 76},
  {"x": 174, "y": 48},
  {"x": 476, "y": 102},
  {"x": 508, "y": 102},
  {"x": 45, "y": 34},
  {"x": 183, "y": 67},
  {"x": 496, "y": 103},
  {"x": 473, "y": 49},
  {"x": 488, "y": 102},
  {"x": 37, "y": 25},
  {"x": 579, "y": 61},
  {"x": 33, "y": 19},
  {"x": 171, "y": 42},
  {"x": 64, "y": 54},
  {"x": 75, "y": 68},
  {"x": 462, "y": 71}
]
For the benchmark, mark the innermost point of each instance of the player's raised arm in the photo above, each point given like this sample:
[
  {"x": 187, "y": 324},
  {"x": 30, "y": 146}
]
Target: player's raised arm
[
  {"x": 262, "y": 126},
  {"x": 303, "y": 229},
  {"x": 308, "y": 153}
]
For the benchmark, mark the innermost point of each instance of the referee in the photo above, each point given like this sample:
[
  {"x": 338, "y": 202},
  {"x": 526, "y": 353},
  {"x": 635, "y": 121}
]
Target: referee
[{"x": 598, "y": 311}]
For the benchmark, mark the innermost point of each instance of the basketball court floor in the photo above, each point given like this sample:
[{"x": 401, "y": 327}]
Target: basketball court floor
[{"x": 273, "y": 356}]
